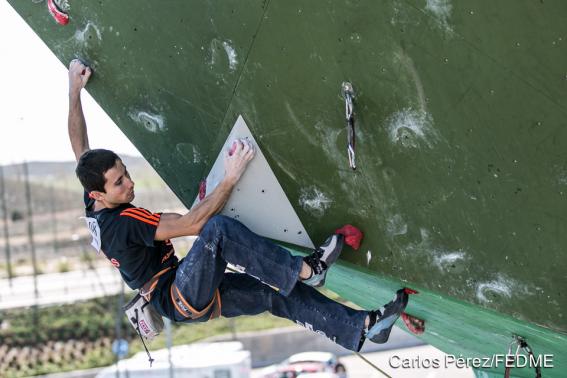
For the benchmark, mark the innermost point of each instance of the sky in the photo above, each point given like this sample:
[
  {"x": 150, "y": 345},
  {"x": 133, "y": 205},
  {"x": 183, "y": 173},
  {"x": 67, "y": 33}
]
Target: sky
[{"x": 34, "y": 100}]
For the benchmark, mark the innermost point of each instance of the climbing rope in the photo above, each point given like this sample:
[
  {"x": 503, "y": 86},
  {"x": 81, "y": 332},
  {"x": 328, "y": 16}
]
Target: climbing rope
[{"x": 371, "y": 364}]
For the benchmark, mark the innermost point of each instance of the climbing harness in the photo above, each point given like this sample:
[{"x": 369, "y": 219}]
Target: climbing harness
[
  {"x": 147, "y": 321},
  {"x": 184, "y": 309},
  {"x": 348, "y": 95},
  {"x": 522, "y": 344},
  {"x": 148, "y": 288}
]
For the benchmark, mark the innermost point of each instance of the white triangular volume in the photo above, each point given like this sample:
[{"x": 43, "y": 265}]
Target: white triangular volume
[{"x": 258, "y": 200}]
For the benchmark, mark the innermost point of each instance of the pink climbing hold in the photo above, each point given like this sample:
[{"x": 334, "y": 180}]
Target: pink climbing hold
[
  {"x": 202, "y": 189},
  {"x": 57, "y": 12},
  {"x": 414, "y": 324},
  {"x": 233, "y": 147},
  {"x": 353, "y": 236},
  {"x": 410, "y": 291}
]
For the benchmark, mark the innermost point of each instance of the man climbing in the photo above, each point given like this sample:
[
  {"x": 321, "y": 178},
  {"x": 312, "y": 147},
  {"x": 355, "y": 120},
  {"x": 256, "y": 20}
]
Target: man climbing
[{"x": 196, "y": 289}]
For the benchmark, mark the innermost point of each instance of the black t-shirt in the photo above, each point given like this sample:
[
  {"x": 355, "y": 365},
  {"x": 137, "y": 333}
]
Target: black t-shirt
[{"x": 127, "y": 239}]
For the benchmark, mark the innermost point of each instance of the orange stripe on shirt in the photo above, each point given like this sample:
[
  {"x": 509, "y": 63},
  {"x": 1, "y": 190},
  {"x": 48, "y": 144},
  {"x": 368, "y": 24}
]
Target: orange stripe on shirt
[
  {"x": 142, "y": 212},
  {"x": 145, "y": 220},
  {"x": 141, "y": 209},
  {"x": 151, "y": 217}
]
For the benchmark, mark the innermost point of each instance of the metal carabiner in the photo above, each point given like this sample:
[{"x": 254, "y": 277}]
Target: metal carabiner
[
  {"x": 348, "y": 94},
  {"x": 522, "y": 344}
]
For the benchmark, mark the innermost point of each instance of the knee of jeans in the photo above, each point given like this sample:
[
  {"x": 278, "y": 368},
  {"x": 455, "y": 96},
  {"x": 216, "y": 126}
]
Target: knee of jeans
[
  {"x": 219, "y": 226},
  {"x": 220, "y": 222},
  {"x": 212, "y": 224},
  {"x": 211, "y": 229}
]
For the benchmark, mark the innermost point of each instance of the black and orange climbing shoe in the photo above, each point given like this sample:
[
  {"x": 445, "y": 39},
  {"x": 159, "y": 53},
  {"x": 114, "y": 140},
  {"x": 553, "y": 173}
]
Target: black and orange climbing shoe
[{"x": 383, "y": 319}]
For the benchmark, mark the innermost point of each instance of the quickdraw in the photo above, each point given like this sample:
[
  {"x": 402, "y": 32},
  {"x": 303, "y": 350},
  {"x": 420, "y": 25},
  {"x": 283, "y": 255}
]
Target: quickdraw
[
  {"x": 348, "y": 95},
  {"x": 521, "y": 343}
]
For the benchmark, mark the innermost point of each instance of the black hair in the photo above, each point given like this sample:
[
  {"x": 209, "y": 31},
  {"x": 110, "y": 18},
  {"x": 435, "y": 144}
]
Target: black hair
[{"x": 92, "y": 166}]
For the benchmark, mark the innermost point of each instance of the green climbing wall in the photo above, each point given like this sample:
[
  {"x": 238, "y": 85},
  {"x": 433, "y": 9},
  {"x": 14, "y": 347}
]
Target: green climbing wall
[{"x": 461, "y": 185}]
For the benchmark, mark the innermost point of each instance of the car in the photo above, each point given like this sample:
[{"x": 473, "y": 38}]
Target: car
[{"x": 307, "y": 363}]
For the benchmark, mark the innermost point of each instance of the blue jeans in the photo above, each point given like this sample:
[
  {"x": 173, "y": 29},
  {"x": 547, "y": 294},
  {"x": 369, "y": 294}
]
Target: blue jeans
[{"x": 269, "y": 282}]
